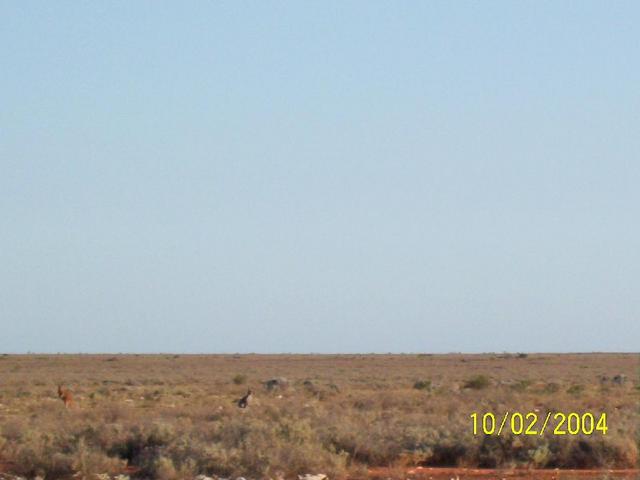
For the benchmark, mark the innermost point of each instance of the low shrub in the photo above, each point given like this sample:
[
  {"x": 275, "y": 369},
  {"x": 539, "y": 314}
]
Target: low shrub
[
  {"x": 422, "y": 385},
  {"x": 240, "y": 379},
  {"x": 575, "y": 389},
  {"x": 478, "y": 382}
]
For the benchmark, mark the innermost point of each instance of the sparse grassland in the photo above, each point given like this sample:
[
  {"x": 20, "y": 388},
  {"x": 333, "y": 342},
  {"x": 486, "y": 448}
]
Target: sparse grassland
[{"x": 173, "y": 416}]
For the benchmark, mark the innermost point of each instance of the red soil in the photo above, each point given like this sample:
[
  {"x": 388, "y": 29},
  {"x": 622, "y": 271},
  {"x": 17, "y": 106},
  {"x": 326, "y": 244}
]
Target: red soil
[{"x": 428, "y": 473}]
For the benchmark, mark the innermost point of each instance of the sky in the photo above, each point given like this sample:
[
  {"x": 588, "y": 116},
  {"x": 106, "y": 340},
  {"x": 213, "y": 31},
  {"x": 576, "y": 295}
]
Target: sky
[{"x": 319, "y": 176}]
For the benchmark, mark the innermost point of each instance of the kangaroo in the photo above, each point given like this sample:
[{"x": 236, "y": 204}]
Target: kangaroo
[
  {"x": 244, "y": 401},
  {"x": 65, "y": 395}
]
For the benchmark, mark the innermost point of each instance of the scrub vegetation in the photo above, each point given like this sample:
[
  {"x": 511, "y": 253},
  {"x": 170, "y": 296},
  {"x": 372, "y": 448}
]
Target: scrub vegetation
[{"x": 174, "y": 416}]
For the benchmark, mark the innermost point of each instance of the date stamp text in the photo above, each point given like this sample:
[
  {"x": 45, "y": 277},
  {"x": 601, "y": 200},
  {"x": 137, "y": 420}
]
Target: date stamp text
[{"x": 531, "y": 423}]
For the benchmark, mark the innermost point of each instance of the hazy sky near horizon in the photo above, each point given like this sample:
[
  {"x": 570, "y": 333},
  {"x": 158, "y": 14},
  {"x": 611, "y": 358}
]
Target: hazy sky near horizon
[{"x": 319, "y": 176}]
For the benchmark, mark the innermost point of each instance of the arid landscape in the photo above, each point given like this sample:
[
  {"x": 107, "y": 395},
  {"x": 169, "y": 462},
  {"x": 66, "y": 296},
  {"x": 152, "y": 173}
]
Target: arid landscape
[{"x": 345, "y": 416}]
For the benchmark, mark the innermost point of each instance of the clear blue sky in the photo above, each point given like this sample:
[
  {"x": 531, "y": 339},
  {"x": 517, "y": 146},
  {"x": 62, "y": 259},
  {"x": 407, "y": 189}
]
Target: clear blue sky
[{"x": 319, "y": 176}]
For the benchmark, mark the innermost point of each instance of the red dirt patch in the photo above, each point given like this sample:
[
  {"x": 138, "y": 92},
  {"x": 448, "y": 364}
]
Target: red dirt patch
[{"x": 429, "y": 473}]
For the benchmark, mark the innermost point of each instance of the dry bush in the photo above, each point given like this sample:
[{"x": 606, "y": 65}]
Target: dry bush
[{"x": 175, "y": 417}]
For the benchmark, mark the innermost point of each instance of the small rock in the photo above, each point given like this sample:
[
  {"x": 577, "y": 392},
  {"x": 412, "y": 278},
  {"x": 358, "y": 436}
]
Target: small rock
[
  {"x": 619, "y": 379},
  {"x": 279, "y": 383},
  {"x": 310, "y": 476}
]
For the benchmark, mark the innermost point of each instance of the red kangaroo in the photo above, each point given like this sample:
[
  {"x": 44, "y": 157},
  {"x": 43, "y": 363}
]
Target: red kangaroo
[{"x": 65, "y": 395}]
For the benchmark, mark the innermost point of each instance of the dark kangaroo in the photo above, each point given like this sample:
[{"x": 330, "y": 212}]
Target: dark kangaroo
[{"x": 244, "y": 401}]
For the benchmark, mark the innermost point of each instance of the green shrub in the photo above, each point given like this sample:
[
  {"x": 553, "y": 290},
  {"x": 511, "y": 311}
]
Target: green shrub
[
  {"x": 240, "y": 379},
  {"x": 422, "y": 385},
  {"x": 575, "y": 389},
  {"x": 522, "y": 385},
  {"x": 478, "y": 382},
  {"x": 551, "y": 387}
]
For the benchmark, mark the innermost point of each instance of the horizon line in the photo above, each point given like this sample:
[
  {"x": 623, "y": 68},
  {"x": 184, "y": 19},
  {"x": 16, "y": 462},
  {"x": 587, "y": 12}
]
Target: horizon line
[{"x": 504, "y": 352}]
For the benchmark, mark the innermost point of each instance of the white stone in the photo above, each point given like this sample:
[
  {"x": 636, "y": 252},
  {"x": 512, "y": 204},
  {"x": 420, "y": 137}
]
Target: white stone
[{"x": 310, "y": 476}]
